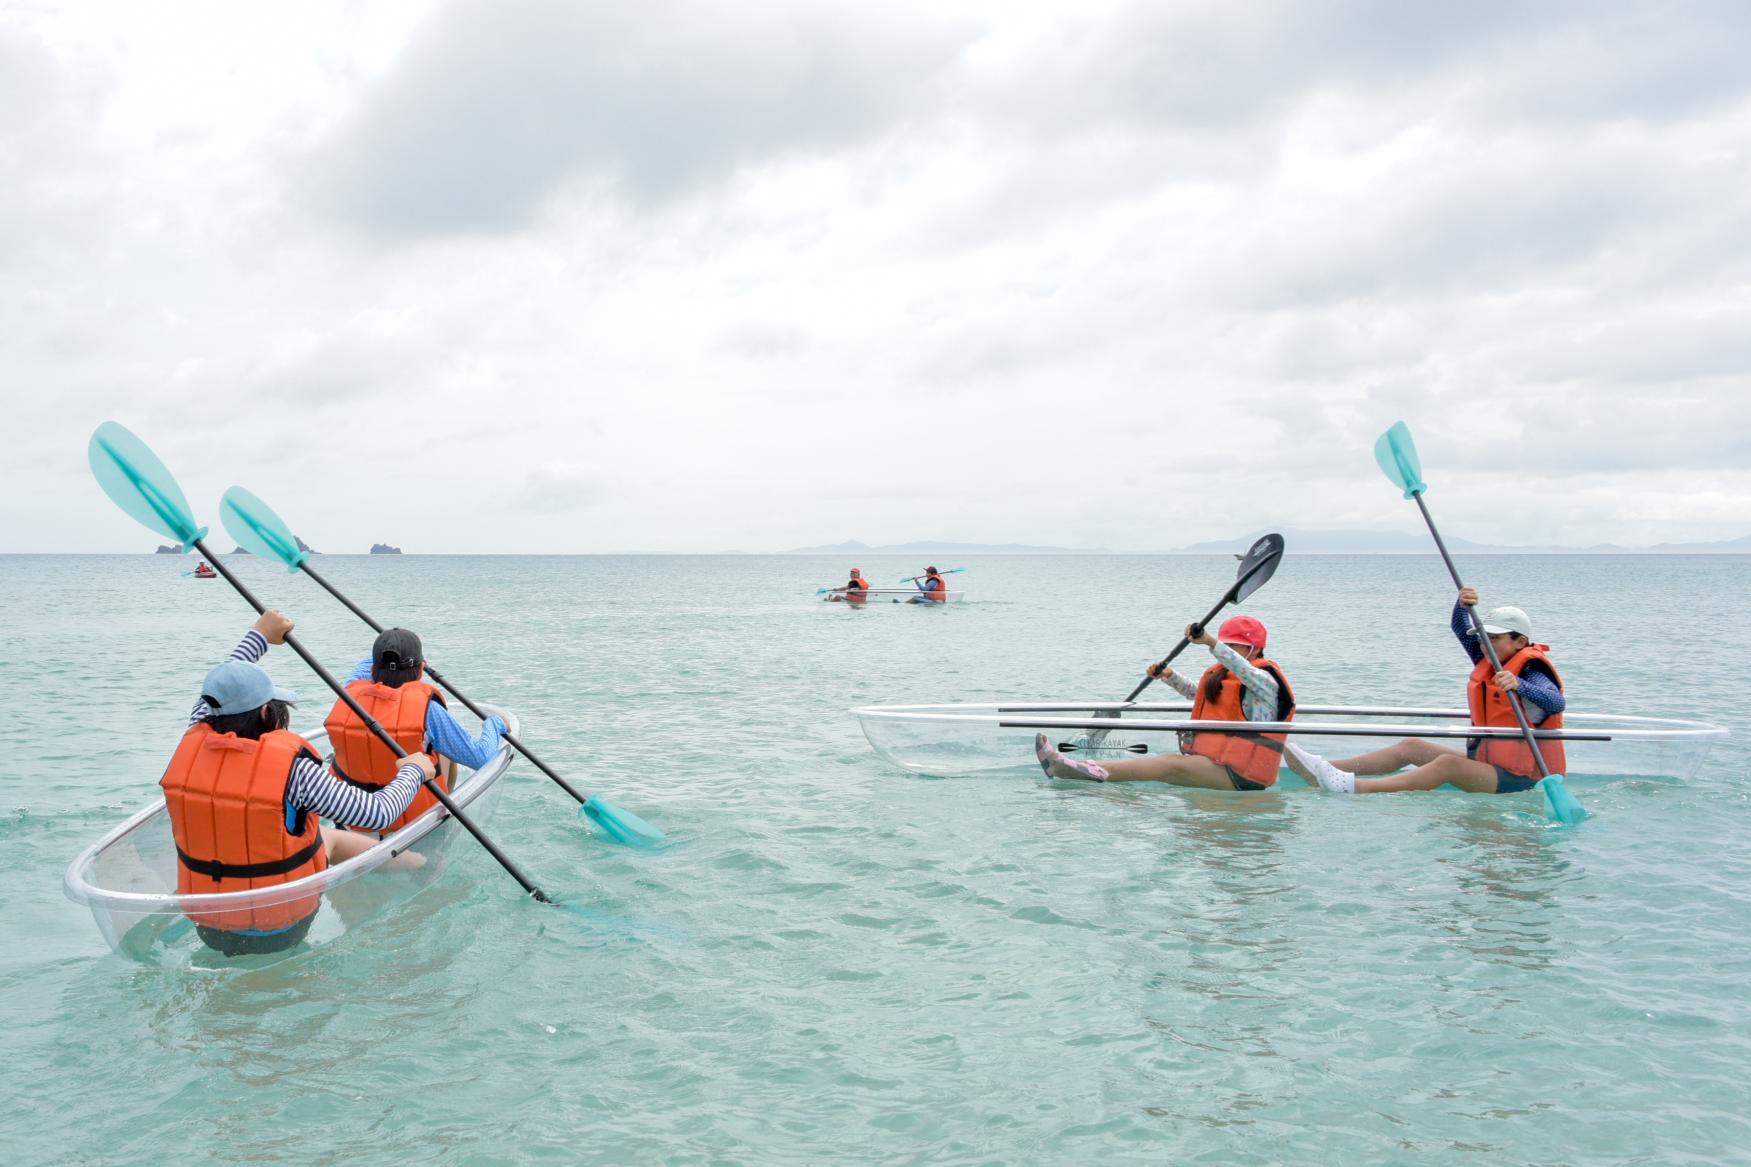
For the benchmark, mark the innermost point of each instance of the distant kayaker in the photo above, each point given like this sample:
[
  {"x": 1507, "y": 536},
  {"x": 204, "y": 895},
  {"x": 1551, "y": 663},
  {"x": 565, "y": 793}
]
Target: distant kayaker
[
  {"x": 244, "y": 794},
  {"x": 1241, "y": 686},
  {"x": 934, "y": 590},
  {"x": 856, "y": 588},
  {"x": 1489, "y": 765},
  {"x": 389, "y": 685}
]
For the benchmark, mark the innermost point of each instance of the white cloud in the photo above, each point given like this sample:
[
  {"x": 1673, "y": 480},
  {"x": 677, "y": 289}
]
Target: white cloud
[{"x": 693, "y": 277}]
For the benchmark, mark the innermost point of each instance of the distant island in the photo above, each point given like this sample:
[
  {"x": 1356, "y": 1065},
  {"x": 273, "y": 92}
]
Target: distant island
[
  {"x": 1395, "y": 543},
  {"x": 169, "y": 549},
  {"x": 238, "y": 551},
  {"x": 384, "y": 549},
  {"x": 853, "y": 547}
]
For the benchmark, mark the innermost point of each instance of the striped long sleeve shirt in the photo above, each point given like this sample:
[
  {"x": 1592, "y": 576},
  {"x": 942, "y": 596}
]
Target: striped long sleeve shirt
[
  {"x": 446, "y": 734},
  {"x": 314, "y": 787},
  {"x": 1538, "y": 690}
]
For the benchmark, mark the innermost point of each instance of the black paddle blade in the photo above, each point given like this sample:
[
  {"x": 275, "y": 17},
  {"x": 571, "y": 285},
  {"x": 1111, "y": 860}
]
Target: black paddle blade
[{"x": 1258, "y": 565}]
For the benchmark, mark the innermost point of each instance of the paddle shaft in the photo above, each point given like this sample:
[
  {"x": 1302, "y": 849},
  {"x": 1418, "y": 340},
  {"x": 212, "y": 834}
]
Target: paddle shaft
[
  {"x": 371, "y": 723},
  {"x": 1185, "y": 641},
  {"x": 1483, "y": 640},
  {"x": 447, "y": 686}
]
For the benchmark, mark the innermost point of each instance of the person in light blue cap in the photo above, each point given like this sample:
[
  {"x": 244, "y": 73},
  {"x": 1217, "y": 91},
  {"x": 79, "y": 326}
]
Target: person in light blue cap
[{"x": 245, "y": 797}]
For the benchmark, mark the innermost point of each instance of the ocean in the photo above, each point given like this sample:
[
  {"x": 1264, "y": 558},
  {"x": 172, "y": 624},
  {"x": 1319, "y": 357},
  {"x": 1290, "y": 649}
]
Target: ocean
[{"x": 837, "y": 961}]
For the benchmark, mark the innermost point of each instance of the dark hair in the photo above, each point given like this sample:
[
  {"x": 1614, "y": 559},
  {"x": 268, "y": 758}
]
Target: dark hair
[
  {"x": 1213, "y": 683},
  {"x": 395, "y": 678},
  {"x": 251, "y": 723}
]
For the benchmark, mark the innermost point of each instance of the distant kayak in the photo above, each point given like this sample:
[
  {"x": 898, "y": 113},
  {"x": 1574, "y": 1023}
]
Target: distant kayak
[{"x": 896, "y": 595}]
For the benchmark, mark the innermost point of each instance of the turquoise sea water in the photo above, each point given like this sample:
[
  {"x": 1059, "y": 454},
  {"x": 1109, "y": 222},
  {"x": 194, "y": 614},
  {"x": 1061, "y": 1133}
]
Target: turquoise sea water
[{"x": 841, "y": 962}]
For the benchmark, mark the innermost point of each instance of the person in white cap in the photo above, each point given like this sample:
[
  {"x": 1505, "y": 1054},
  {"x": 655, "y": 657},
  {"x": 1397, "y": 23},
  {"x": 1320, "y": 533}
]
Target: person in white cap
[{"x": 1495, "y": 765}]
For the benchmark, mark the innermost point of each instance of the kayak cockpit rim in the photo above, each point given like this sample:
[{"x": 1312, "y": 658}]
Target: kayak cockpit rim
[{"x": 80, "y": 889}]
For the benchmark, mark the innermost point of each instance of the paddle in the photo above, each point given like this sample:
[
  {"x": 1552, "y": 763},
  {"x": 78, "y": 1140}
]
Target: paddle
[
  {"x": 137, "y": 481},
  {"x": 1397, "y": 455},
  {"x": 916, "y": 578},
  {"x": 1256, "y": 566},
  {"x": 256, "y": 527}
]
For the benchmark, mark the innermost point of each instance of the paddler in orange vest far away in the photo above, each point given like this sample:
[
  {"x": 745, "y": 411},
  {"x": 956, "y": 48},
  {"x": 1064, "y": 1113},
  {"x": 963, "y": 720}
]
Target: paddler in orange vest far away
[
  {"x": 244, "y": 794},
  {"x": 1241, "y": 686},
  {"x": 856, "y": 588},
  {"x": 931, "y": 584},
  {"x": 1490, "y": 765},
  {"x": 390, "y": 685}
]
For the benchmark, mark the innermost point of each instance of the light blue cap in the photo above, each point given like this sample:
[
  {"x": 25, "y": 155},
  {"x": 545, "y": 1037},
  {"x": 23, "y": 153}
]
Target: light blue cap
[{"x": 238, "y": 685}]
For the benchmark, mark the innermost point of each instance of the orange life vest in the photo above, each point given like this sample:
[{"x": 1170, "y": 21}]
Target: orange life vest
[
  {"x": 1254, "y": 756},
  {"x": 360, "y": 757},
  {"x": 227, "y": 800},
  {"x": 1489, "y": 707},
  {"x": 854, "y": 586},
  {"x": 934, "y": 587}
]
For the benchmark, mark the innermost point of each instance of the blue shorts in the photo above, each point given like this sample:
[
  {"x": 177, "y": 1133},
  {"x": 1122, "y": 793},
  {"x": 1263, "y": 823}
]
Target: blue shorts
[{"x": 1508, "y": 782}]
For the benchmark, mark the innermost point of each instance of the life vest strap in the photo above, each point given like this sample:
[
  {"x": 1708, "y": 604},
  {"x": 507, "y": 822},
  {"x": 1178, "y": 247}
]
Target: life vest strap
[{"x": 213, "y": 869}]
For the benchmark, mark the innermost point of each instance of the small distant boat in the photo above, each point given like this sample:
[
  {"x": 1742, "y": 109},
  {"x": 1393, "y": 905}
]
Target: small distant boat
[
  {"x": 896, "y": 595},
  {"x": 205, "y": 571}
]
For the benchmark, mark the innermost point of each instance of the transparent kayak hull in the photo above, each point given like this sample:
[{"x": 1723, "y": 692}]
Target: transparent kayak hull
[
  {"x": 894, "y": 595},
  {"x": 128, "y": 877},
  {"x": 948, "y": 740}
]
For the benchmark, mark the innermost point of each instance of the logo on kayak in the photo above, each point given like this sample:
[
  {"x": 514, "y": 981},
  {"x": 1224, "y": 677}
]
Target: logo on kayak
[{"x": 1111, "y": 744}]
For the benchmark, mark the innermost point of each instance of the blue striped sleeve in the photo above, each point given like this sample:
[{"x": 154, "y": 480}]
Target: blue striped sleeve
[
  {"x": 452, "y": 741},
  {"x": 315, "y": 788},
  {"x": 1537, "y": 687},
  {"x": 251, "y": 648}
]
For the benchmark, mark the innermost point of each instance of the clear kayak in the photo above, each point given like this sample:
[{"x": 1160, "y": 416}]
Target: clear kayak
[
  {"x": 128, "y": 877},
  {"x": 975, "y": 739},
  {"x": 896, "y": 595}
]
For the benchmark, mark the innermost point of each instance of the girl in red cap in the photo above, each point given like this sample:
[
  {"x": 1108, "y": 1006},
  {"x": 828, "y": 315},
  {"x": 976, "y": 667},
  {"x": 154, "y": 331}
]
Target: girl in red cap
[{"x": 1241, "y": 686}]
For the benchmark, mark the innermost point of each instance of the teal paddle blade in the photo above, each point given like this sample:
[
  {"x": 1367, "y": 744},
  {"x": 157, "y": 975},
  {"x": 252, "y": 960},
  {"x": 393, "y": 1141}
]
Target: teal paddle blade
[
  {"x": 1397, "y": 455},
  {"x": 1562, "y": 806},
  {"x": 258, "y": 530},
  {"x": 137, "y": 481},
  {"x": 621, "y": 825}
]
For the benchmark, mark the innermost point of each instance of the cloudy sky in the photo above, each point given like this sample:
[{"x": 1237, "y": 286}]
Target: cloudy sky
[{"x": 702, "y": 276}]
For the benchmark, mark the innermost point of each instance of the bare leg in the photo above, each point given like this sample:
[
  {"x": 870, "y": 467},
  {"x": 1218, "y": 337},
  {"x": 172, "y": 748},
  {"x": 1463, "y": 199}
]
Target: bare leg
[
  {"x": 1412, "y": 751},
  {"x": 1186, "y": 770},
  {"x": 1449, "y": 769},
  {"x": 343, "y": 844}
]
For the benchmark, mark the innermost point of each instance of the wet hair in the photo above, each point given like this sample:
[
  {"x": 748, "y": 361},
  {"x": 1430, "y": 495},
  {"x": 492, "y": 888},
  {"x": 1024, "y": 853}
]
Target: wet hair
[{"x": 251, "y": 723}]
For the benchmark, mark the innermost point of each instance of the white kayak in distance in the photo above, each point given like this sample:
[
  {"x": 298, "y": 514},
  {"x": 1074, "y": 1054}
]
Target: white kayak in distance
[
  {"x": 950, "y": 740},
  {"x": 128, "y": 877},
  {"x": 896, "y": 595}
]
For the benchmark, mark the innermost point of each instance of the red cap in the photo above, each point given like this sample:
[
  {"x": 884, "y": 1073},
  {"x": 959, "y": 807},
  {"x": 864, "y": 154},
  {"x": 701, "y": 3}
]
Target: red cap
[
  {"x": 1242, "y": 630},
  {"x": 855, "y": 571}
]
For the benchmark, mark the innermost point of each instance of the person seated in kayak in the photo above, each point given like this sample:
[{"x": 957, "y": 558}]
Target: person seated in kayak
[
  {"x": 244, "y": 794},
  {"x": 931, "y": 584},
  {"x": 389, "y": 685},
  {"x": 1241, "y": 686},
  {"x": 856, "y": 588},
  {"x": 1489, "y": 765}
]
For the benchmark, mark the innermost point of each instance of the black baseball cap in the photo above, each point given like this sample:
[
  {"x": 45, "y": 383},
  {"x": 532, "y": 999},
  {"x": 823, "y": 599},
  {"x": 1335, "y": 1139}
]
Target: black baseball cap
[{"x": 397, "y": 648}]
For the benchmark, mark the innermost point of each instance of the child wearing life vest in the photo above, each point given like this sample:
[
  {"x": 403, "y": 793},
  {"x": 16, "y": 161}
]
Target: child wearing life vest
[
  {"x": 934, "y": 590},
  {"x": 1489, "y": 765},
  {"x": 390, "y": 686},
  {"x": 244, "y": 794},
  {"x": 1241, "y": 686}
]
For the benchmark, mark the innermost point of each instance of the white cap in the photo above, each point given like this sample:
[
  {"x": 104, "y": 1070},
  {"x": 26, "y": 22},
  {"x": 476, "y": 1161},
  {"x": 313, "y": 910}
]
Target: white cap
[{"x": 1507, "y": 619}]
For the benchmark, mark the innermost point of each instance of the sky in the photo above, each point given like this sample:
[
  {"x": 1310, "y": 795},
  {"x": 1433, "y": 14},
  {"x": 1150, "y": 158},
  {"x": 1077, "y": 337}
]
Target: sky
[{"x": 694, "y": 277}]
